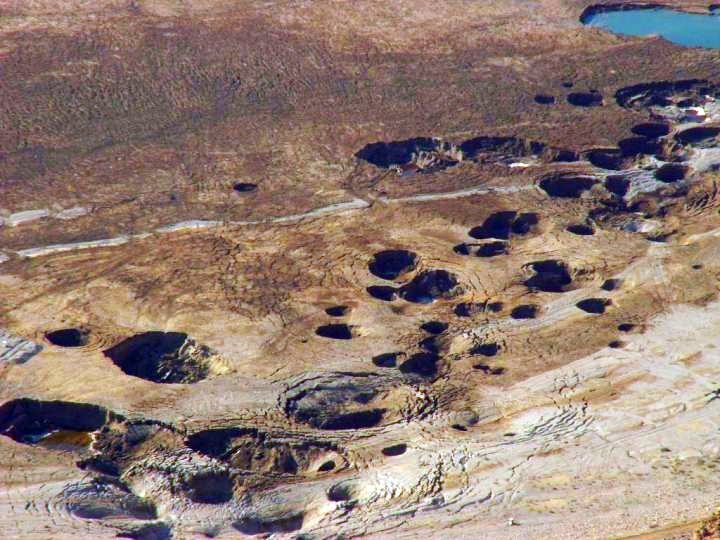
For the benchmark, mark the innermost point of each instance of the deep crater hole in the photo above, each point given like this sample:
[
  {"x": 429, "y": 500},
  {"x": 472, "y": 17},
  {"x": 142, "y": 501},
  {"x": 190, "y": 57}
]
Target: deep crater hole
[
  {"x": 335, "y": 331},
  {"x": 391, "y": 264},
  {"x": 68, "y": 337}
]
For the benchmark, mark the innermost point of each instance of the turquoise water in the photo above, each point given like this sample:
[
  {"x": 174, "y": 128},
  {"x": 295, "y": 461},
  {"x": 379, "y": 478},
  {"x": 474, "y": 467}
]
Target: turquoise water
[{"x": 688, "y": 29}]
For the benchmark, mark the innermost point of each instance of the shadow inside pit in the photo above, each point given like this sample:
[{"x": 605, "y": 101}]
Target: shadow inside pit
[
  {"x": 386, "y": 360},
  {"x": 335, "y": 331},
  {"x": 596, "y": 306},
  {"x": 244, "y": 187},
  {"x": 434, "y": 327},
  {"x": 493, "y": 249},
  {"x": 422, "y": 363},
  {"x": 30, "y": 421},
  {"x": 392, "y": 263},
  {"x": 395, "y": 450},
  {"x": 337, "y": 402},
  {"x": 544, "y": 99},
  {"x": 550, "y": 276},
  {"x": 585, "y": 99},
  {"x": 567, "y": 185},
  {"x": 162, "y": 357},
  {"x": 430, "y": 285},
  {"x": 382, "y": 292},
  {"x": 386, "y": 154},
  {"x": 651, "y": 130},
  {"x": 212, "y": 487},
  {"x": 68, "y": 337},
  {"x": 338, "y": 311},
  {"x": 698, "y": 135},
  {"x": 671, "y": 172},
  {"x": 525, "y": 311},
  {"x": 580, "y": 229},
  {"x": 485, "y": 349}
]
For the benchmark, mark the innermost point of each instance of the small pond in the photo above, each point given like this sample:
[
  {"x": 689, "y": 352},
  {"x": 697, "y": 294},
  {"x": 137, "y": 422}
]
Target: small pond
[{"x": 687, "y": 29}]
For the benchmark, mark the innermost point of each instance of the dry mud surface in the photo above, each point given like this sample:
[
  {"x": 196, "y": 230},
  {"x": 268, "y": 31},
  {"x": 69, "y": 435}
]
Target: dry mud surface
[{"x": 355, "y": 269}]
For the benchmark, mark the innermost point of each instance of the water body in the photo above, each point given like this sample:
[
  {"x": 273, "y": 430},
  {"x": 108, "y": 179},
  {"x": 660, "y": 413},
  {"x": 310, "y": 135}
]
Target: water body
[{"x": 687, "y": 29}]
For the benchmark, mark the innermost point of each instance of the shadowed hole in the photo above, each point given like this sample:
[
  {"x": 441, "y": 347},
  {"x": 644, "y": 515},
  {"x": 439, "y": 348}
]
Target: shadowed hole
[
  {"x": 212, "y": 487},
  {"x": 494, "y": 307},
  {"x": 382, "y": 292},
  {"x": 634, "y": 146},
  {"x": 596, "y": 306},
  {"x": 567, "y": 186},
  {"x": 344, "y": 491},
  {"x": 524, "y": 223},
  {"x": 488, "y": 370},
  {"x": 327, "y": 466},
  {"x": 387, "y": 154},
  {"x": 550, "y": 276},
  {"x": 492, "y": 249},
  {"x": 497, "y": 225},
  {"x": 697, "y": 135},
  {"x": 525, "y": 311},
  {"x": 469, "y": 309},
  {"x": 626, "y": 327},
  {"x": 616, "y": 344},
  {"x": 611, "y": 284},
  {"x": 652, "y": 130},
  {"x": 657, "y": 93},
  {"x": 244, "y": 187},
  {"x": 580, "y": 229},
  {"x": 585, "y": 99},
  {"x": 430, "y": 344},
  {"x": 422, "y": 363},
  {"x": 386, "y": 360},
  {"x": 354, "y": 420},
  {"x": 430, "y": 285},
  {"x": 618, "y": 185},
  {"x": 336, "y": 401},
  {"x": 544, "y": 99},
  {"x": 671, "y": 172},
  {"x": 391, "y": 264},
  {"x": 335, "y": 331},
  {"x": 462, "y": 249},
  {"x": 434, "y": 327},
  {"x": 565, "y": 156},
  {"x": 162, "y": 357},
  {"x": 52, "y": 423},
  {"x": 606, "y": 158},
  {"x": 485, "y": 349},
  {"x": 489, "y": 149},
  {"x": 337, "y": 311},
  {"x": 395, "y": 450},
  {"x": 68, "y": 337}
]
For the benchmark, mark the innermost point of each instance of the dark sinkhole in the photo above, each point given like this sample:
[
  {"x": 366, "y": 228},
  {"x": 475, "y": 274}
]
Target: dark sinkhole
[
  {"x": 68, "y": 337},
  {"x": 392, "y": 263},
  {"x": 335, "y": 331},
  {"x": 162, "y": 357},
  {"x": 550, "y": 276}
]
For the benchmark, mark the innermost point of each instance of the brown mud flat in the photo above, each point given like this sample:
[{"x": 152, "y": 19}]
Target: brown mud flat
[{"x": 280, "y": 270}]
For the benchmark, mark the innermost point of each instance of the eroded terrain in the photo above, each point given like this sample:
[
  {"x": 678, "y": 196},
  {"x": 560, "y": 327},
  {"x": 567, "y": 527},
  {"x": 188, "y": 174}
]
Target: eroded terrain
[{"x": 304, "y": 270}]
